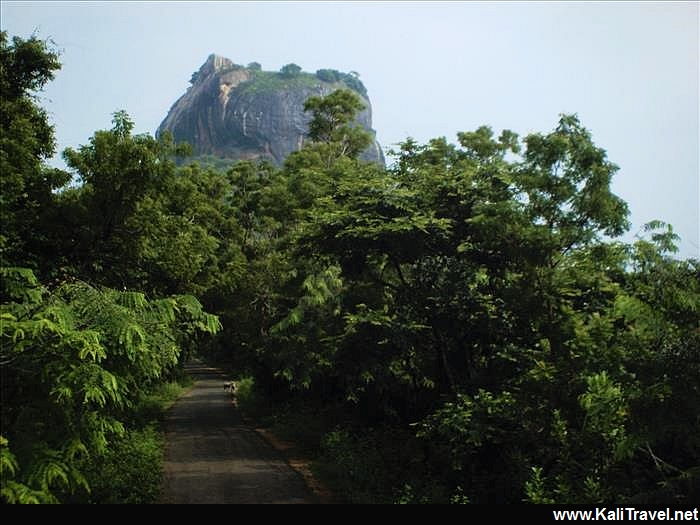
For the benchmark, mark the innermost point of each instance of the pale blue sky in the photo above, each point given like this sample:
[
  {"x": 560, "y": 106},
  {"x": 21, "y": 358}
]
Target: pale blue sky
[{"x": 629, "y": 69}]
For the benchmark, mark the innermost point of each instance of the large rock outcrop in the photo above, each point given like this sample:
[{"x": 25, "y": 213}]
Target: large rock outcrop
[{"x": 236, "y": 112}]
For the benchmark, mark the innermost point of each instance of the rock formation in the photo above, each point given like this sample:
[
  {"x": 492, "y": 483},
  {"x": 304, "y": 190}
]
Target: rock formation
[{"x": 236, "y": 112}]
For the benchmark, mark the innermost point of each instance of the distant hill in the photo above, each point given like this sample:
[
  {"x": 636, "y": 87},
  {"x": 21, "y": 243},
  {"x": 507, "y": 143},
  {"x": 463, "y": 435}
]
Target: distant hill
[{"x": 235, "y": 112}]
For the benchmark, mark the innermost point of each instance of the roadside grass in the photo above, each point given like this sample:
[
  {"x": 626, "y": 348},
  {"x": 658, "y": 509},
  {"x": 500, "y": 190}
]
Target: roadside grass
[{"x": 154, "y": 404}]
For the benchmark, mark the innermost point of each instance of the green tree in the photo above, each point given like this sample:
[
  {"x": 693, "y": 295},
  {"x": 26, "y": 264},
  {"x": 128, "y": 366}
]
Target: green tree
[
  {"x": 332, "y": 125},
  {"x": 328, "y": 75},
  {"x": 290, "y": 70},
  {"x": 118, "y": 171},
  {"x": 75, "y": 358},
  {"x": 26, "y": 142},
  {"x": 74, "y": 362},
  {"x": 351, "y": 80},
  {"x": 481, "y": 280}
]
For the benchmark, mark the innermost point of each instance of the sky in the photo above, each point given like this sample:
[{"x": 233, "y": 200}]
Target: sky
[{"x": 628, "y": 69}]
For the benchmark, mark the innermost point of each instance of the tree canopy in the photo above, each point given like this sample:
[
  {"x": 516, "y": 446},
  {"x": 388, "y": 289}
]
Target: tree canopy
[
  {"x": 290, "y": 70},
  {"x": 27, "y": 140}
]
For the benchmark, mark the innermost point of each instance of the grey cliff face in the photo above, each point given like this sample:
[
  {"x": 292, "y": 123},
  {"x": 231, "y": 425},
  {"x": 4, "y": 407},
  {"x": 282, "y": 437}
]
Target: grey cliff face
[{"x": 234, "y": 112}]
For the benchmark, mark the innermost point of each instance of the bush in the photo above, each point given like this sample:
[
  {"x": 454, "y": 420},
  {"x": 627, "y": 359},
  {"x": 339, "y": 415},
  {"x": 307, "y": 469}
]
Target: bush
[
  {"x": 290, "y": 70},
  {"x": 151, "y": 407},
  {"x": 250, "y": 401},
  {"x": 351, "y": 80},
  {"x": 328, "y": 75},
  {"x": 374, "y": 466},
  {"x": 129, "y": 472}
]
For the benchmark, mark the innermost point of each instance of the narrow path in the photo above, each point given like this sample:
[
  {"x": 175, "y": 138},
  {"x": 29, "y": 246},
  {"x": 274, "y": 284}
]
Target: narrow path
[{"x": 213, "y": 457}]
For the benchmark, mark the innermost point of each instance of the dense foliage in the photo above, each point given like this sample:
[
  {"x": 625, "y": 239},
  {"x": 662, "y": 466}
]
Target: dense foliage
[
  {"x": 290, "y": 70},
  {"x": 351, "y": 80},
  {"x": 468, "y": 293},
  {"x": 84, "y": 336},
  {"x": 27, "y": 139},
  {"x": 459, "y": 327}
]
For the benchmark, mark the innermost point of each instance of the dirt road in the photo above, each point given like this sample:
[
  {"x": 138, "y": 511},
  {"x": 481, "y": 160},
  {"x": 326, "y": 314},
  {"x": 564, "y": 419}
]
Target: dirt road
[{"x": 213, "y": 457}]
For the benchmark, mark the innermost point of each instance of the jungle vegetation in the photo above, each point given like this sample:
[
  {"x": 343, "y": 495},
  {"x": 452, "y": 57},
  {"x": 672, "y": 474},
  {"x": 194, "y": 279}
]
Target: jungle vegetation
[{"x": 461, "y": 326}]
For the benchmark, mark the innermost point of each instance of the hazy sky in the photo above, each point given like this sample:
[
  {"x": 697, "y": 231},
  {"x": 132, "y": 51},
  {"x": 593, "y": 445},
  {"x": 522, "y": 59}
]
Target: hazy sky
[{"x": 629, "y": 69}]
